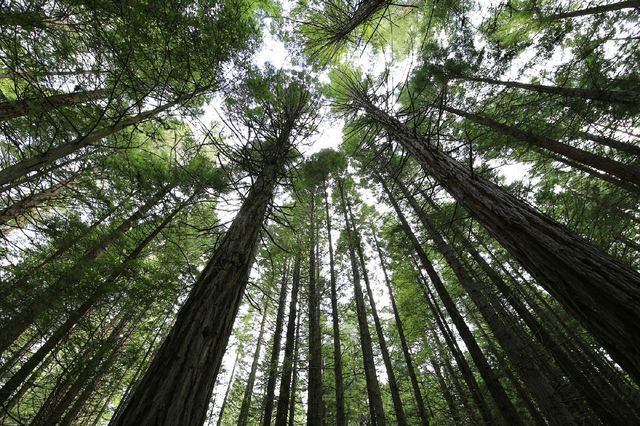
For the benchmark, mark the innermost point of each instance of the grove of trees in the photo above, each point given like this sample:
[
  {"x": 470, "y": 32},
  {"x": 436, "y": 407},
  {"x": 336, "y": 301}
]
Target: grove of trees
[{"x": 185, "y": 241}]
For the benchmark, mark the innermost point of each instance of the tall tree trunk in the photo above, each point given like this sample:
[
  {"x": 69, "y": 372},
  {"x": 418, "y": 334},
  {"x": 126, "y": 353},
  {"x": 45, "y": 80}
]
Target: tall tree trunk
[
  {"x": 314, "y": 402},
  {"x": 340, "y": 419},
  {"x": 393, "y": 383},
  {"x": 9, "y": 110},
  {"x": 287, "y": 364},
  {"x": 376, "y": 409},
  {"x": 505, "y": 406},
  {"x": 461, "y": 361},
  {"x": 417, "y": 393},
  {"x": 611, "y": 96},
  {"x": 22, "y": 206},
  {"x": 243, "y": 418},
  {"x": 601, "y": 292},
  {"x": 625, "y": 172},
  {"x": 176, "y": 388},
  {"x": 52, "y": 294},
  {"x": 228, "y": 391},
  {"x": 275, "y": 350},
  {"x": 294, "y": 379},
  {"x": 47, "y": 158},
  {"x": 629, "y": 148},
  {"x": 444, "y": 388},
  {"x": 516, "y": 349},
  {"x": 629, "y": 4}
]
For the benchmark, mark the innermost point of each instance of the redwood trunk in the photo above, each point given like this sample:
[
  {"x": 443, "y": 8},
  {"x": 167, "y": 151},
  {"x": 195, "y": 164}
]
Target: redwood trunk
[
  {"x": 376, "y": 408},
  {"x": 275, "y": 350},
  {"x": 287, "y": 365},
  {"x": 601, "y": 292},
  {"x": 177, "y": 386},
  {"x": 340, "y": 419}
]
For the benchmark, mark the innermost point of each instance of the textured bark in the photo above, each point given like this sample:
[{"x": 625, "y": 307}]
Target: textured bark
[
  {"x": 243, "y": 418},
  {"x": 9, "y": 110},
  {"x": 493, "y": 313},
  {"x": 285, "y": 382},
  {"x": 417, "y": 393},
  {"x": 601, "y": 292},
  {"x": 34, "y": 200},
  {"x": 630, "y": 4},
  {"x": 314, "y": 401},
  {"x": 275, "y": 351},
  {"x": 505, "y": 406},
  {"x": 612, "y": 96},
  {"x": 376, "y": 409},
  {"x": 393, "y": 383},
  {"x": 177, "y": 386},
  {"x": 22, "y": 168},
  {"x": 625, "y": 172},
  {"x": 55, "y": 292},
  {"x": 361, "y": 13},
  {"x": 340, "y": 419}
]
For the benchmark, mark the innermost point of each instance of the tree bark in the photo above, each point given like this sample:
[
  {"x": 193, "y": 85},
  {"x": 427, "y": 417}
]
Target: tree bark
[
  {"x": 393, "y": 383},
  {"x": 630, "y": 4},
  {"x": 9, "y": 110},
  {"x": 625, "y": 172},
  {"x": 505, "y": 406},
  {"x": 516, "y": 349},
  {"x": 275, "y": 350},
  {"x": 285, "y": 382},
  {"x": 294, "y": 379},
  {"x": 611, "y": 96},
  {"x": 376, "y": 408},
  {"x": 314, "y": 402},
  {"x": 340, "y": 419},
  {"x": 176, "y": 388},
  {"x": 21, "y": 207},
  {"x": 243, "y": 418},
  {"x": 24, "y": 167},
  {"x": 52, "y": 294},
  {"x": 228, "y": 391},
  {"x": 601, "y": 292},
  {"x": 417, "y": 393}
]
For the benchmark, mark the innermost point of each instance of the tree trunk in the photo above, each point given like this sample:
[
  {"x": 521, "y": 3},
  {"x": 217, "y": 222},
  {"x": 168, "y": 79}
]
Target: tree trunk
[
  {"x": 601, "y": 292},
  {"x": 20, "y": 207},
  {"x": 461, "y": 361},
  {"x": 340, "y": 419},
  {"x": 611, "y": 96},
  {"x": 506, "y": 408},
  {"x": 243, "y": 418},
  {"x": 630, "y": 4},
  {"x": 516, "y": 349},
  {"x": 275, "y": 350},
  {"x": 226, "y": 394},
  {"x": 294, "y": 379},
  {"x": 625, "y": 172},
  {"x": 285, "y": 382},
  {"x": 24, "y": 167},
  {"x": 417, "y": 393},
  {"x": 376, "y": 408},
  {"x": 9, "y": 110},
  {"x": 393, "y": 383},
  {"x": 629, "y": 148},
  {"x": 52, "y": 294},
  {"x": 314, "y": 409},
  {"x": 176, "y": 388}
]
